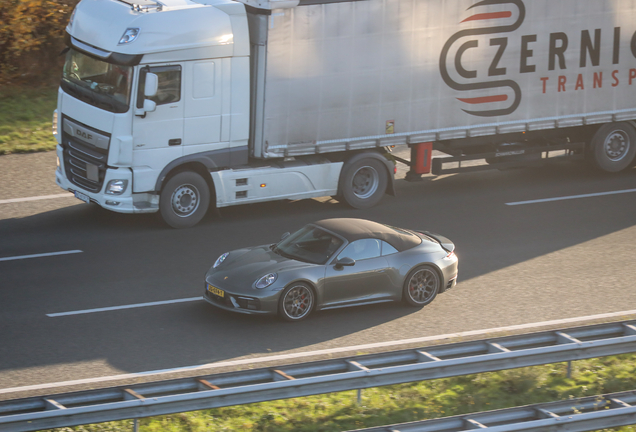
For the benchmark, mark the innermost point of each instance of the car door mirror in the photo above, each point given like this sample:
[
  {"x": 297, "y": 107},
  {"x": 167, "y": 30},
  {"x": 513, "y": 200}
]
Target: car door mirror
[
  {"x": 284, "y": 236},
  {"x": 346, "y": 261}
]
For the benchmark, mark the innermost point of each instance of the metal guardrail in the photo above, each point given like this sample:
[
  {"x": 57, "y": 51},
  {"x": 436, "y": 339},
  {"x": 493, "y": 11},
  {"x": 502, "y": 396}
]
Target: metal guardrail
[
  {"x": 572, "y": 415},
  {"x": 258, "y": 385}
]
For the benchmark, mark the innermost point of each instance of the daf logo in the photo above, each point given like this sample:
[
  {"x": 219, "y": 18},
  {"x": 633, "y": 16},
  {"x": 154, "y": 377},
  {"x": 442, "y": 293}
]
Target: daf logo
[{"x": 84, "y": 135}]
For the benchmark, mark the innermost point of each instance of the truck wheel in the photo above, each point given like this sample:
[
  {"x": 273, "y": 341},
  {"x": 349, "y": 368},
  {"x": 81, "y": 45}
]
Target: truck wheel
[
  {"x": 614, "y": 146},
  {"x": 363, "y": 183},
  {"x": 184, "y": 200}
]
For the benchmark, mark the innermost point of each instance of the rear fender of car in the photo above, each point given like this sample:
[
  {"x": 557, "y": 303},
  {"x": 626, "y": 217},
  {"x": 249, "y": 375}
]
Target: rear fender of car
[
  {"x": 414, "y": 263},
  {"x": 439, "y": 272}
]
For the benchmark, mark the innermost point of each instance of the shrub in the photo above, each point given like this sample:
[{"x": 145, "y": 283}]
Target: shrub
[{"x": 31, "y": 39}]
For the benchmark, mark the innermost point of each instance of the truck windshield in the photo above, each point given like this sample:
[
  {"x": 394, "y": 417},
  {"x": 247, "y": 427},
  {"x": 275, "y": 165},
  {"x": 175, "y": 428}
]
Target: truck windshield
[{"x": 99, "y": 83}]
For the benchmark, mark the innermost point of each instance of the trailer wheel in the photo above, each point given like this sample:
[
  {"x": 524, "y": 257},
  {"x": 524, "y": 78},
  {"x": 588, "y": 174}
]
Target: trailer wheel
[
  {"x": 363, "y": 182},
  {"x": 614, "y": 146},
  {"x": 184, "y": 200}
]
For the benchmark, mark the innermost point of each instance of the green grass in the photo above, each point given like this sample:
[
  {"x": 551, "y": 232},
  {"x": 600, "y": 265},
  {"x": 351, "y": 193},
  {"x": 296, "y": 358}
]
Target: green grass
[
  {"x": 403, "y": 403},
  {"x": 25, "y": 119}
]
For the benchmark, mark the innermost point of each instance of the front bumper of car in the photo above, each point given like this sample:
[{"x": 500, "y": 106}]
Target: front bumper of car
[{"x": 266, "y": 303}]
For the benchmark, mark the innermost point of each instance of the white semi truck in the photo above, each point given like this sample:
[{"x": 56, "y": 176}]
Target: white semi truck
[{"x": 177, "y": 105}]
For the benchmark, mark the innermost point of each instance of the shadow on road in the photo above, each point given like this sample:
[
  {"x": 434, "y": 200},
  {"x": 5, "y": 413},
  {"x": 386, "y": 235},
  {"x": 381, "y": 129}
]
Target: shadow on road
[{"x": 135, "y": 258}]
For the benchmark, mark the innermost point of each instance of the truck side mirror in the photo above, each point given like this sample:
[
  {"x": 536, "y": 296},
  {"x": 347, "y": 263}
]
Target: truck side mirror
[
  {"x": 149, "y": 105},
  {"x": 151, "y": 86}
]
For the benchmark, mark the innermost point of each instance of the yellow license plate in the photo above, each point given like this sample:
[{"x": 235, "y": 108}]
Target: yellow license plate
[{"x": 216, "y": 291}]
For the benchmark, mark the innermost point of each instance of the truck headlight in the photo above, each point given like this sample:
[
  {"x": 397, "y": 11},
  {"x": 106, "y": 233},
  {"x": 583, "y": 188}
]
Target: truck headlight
[
  {"x": 116, "y": 187},
  {"x": 54, "y": 124},
  {"x": 129, "y": 35}
]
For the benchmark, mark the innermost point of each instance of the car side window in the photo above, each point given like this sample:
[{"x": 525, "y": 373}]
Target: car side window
[
  {"x": 387, "y": 249},
  {"x": 361, "y": 249}
]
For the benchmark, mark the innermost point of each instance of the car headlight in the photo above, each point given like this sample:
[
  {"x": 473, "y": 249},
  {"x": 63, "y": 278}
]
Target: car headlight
[
  {"x": 266, "y": 280},
  {"x": 220, "y": 259}
]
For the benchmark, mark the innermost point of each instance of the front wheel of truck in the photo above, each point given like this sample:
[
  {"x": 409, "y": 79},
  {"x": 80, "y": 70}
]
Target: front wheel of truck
[{"x": 184, "y": 200}]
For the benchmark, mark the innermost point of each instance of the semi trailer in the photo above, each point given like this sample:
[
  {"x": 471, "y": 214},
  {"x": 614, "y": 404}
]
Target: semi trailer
[{"x": 174, "y": 106}]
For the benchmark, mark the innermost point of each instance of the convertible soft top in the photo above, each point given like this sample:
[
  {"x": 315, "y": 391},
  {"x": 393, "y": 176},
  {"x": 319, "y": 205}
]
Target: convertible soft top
[{"x": 355, "y": 229}]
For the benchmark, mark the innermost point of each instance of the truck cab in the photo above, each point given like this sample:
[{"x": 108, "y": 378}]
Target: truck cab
[
  {"x": 162, "y": 107},
  {"x": 139, "y": 96}
]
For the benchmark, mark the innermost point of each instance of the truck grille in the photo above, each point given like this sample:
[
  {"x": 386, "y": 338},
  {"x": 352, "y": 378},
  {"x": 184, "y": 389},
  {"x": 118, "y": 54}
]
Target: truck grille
[{"x": 85, "y": 155}]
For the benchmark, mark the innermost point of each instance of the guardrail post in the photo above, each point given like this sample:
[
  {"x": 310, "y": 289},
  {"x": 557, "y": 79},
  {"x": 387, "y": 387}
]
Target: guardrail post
[
  {"x": 354, "y": 365},
  {"x": 135, "y": 425},
  {"x": 569, "y": 375}
]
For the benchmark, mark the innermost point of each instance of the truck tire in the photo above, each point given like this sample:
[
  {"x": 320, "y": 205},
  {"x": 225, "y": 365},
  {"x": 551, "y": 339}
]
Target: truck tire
[
  {"x": 363, "y": 182},
  {"x": 614, "y": 146},
  {"x": 184, "y": 200}
]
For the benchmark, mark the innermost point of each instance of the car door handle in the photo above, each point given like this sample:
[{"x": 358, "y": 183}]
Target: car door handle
[{"x": 175, "y": 141}]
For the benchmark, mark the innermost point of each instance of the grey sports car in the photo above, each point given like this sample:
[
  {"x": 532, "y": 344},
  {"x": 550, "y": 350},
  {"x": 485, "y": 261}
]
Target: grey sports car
[{"x": 333, "y": 263}]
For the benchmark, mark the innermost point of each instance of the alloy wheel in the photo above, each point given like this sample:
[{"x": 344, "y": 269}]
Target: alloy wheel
[
  {"x": 298, "y": 302},
  {"x": 423, "y": 285}
]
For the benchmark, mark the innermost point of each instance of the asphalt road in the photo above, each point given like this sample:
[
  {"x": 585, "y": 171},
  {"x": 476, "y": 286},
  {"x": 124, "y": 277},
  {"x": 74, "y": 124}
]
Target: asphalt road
[{"x": 518, "y": 264}]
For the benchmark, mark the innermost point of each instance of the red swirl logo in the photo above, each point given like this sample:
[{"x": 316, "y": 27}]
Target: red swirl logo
[{"x": 501, "y": 101}]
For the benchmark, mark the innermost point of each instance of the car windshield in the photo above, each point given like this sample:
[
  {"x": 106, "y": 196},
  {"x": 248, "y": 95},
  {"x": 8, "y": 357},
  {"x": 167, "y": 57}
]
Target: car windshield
[
  {"x": 99, "y": 83},
  {"x": 309, "y": 244}
]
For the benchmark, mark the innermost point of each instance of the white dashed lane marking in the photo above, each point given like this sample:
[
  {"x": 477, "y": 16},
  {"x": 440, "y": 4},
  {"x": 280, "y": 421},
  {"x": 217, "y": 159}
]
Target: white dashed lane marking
[
  {"x": 21, "y": 257},
  {"x": 570, "y": 197},
  {"x": 130, "y": 306},
  {"x": 36, "y": 198}
]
